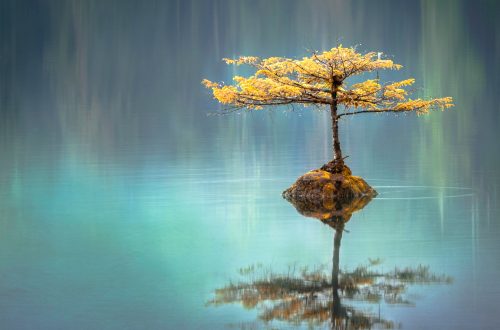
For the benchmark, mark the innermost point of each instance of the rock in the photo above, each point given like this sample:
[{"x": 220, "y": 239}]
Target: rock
[
  {"x": 323, "y": 189},
  {"x": 324, "y": 195}
]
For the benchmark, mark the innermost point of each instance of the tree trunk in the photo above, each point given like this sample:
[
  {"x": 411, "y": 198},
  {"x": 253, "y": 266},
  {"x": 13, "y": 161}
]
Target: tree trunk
[{"x": 337, "y": 153}]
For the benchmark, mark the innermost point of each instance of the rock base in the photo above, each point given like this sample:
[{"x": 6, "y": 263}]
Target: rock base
[{"x": 324, "y": 195}]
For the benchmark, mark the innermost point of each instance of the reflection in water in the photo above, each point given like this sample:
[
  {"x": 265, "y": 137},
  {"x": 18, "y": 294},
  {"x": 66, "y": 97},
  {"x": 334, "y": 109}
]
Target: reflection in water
[
  {"x": 313, "y": 297},
  {"x": 330, "y": 211}
]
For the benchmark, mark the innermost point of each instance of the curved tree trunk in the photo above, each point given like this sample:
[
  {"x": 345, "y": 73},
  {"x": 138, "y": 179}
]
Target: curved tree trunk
[{"x": 337, "y": 152}]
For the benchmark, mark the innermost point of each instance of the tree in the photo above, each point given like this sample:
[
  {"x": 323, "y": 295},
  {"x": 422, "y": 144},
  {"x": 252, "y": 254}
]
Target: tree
[{"x": 321, "y": 80}]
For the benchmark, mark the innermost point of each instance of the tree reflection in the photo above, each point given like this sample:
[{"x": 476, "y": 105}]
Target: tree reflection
[{"x": 316, "y": 298}]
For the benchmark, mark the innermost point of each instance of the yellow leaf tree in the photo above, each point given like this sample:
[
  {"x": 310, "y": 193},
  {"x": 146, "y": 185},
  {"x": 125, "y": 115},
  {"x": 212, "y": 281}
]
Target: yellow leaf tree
[{"x": 322, "y": 80}]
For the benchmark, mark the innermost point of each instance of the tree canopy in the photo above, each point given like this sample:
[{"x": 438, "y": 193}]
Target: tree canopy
[{"x": 320, "y": 80}]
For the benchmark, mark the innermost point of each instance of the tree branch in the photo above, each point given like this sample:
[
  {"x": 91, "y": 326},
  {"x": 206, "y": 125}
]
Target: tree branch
[{"x": 377, "y": 111}]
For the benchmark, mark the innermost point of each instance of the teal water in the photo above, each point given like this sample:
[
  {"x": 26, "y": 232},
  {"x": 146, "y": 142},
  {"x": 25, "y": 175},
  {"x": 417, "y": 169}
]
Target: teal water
[{"x": 124, "y": 206}]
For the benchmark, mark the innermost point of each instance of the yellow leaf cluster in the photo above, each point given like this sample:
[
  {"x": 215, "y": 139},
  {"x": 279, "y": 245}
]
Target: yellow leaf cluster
[
  {"x": 423, "y": 106},
  {"x": 241, "y": 60}
]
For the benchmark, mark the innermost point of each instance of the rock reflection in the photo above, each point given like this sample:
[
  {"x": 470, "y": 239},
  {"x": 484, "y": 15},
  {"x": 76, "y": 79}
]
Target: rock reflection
[
  {"x": 315, "y": 298},
  {"x": 333, "y": 212}
]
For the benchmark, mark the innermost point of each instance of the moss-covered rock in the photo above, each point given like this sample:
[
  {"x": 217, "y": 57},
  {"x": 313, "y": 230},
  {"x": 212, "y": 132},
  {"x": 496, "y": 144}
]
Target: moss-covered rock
[
  {"x": 331, "y": 198},
  {"x": 326, "y": 193}
]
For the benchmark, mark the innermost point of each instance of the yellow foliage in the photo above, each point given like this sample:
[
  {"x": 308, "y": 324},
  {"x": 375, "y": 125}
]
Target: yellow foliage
[
  {"x": 423, "y": 106},
  {"x": 320, "y": 79}
]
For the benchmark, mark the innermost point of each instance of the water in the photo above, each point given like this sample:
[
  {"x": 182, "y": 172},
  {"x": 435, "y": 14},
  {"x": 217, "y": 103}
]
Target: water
[{"x": 124, "y": 206}]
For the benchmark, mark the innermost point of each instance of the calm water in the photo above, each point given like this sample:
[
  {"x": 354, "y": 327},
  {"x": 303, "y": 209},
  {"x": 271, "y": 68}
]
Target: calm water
[{"x": 124, "y": 206}]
